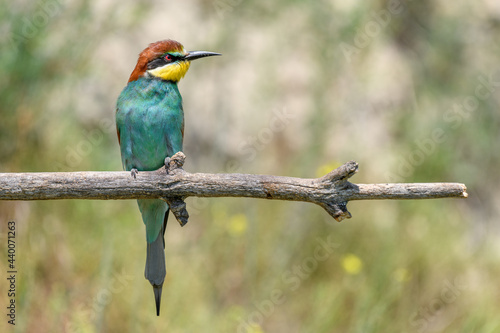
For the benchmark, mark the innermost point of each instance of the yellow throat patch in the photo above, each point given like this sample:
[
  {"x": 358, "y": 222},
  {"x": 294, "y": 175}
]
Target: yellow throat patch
[{"x": 171, "y": 72}]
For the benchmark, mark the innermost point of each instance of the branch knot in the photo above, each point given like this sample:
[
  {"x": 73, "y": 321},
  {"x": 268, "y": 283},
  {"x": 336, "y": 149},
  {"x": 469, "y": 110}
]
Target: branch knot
[{"x": 175, "y": 163}]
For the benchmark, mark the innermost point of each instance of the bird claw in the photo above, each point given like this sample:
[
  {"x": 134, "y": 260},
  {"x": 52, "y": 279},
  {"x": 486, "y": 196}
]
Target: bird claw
[{"x": 134, "y": 173}]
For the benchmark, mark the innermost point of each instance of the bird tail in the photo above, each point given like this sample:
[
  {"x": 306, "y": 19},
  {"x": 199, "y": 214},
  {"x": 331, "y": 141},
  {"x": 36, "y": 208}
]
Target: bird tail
[
  {"x": 155, "y": 267},
  {"x": 155, "y": 215}
]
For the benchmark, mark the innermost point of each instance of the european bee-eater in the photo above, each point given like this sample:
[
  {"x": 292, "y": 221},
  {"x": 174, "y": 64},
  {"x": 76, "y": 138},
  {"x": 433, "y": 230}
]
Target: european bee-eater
[{"x": 150, "y": 126}]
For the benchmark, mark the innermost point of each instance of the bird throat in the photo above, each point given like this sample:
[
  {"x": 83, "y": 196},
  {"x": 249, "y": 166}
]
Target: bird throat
[{"x": 171, "y": 72}]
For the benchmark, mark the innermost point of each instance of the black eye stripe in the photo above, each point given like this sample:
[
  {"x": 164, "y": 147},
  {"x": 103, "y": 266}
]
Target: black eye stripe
[
  {"x": 161, "y": 61},
  {"x": 158, "y": 62}
]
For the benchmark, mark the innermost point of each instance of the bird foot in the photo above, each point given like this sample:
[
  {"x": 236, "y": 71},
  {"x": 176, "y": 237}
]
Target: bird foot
[
  {"x": 175, "y": 162},
  {"x": 134, "y": 173}
]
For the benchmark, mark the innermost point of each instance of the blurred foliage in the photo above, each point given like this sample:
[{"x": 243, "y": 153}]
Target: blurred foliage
[{"x": 302, "y": 88}]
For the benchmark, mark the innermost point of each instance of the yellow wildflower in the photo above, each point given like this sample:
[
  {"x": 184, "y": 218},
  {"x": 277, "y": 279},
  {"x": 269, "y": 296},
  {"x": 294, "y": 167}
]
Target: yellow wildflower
[
  {"x": 352, "y": 264},
  {"x": 402, "y": 275},
  {"x": 237, "y": 224}
]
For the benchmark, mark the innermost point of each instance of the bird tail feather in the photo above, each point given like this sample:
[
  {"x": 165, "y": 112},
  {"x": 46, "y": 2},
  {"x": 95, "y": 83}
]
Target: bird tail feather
[{"x": 155, "y": 267}]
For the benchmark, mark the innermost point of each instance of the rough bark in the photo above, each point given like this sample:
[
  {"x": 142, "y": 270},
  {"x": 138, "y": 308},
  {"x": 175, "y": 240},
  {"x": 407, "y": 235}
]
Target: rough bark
[{"x": 332, "y": 191}]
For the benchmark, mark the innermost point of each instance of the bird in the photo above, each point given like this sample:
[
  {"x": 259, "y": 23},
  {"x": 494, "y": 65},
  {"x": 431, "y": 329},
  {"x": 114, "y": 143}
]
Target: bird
[{"x": 150, "y": 128}]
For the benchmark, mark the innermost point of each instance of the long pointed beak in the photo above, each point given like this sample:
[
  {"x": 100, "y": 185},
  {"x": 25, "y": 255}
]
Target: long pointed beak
[{"x": 192, "y": 55}]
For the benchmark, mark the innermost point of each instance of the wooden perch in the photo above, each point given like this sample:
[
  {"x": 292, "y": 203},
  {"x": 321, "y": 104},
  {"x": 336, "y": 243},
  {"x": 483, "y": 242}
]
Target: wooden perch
[{"x": 173, "y": 184}]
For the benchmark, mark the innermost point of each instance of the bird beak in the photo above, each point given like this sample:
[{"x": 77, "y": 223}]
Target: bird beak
[{"x": 192, "y": 55}]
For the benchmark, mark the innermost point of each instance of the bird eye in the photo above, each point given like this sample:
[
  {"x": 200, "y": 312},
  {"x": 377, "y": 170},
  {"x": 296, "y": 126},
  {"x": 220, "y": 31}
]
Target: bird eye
[{"x": 168, "y": 57}]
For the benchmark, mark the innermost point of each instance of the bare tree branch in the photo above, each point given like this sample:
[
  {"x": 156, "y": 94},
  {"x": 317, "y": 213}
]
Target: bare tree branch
[{"x": 332, "y": 191}]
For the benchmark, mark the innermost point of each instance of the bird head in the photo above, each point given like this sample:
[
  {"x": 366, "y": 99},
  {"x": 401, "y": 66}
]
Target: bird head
[{"x": 166, "y": 60}]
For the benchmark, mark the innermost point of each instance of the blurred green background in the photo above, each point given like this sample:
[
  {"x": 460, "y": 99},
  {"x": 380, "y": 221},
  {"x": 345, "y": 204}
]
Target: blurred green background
[{"x": 408, "y": 89}]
